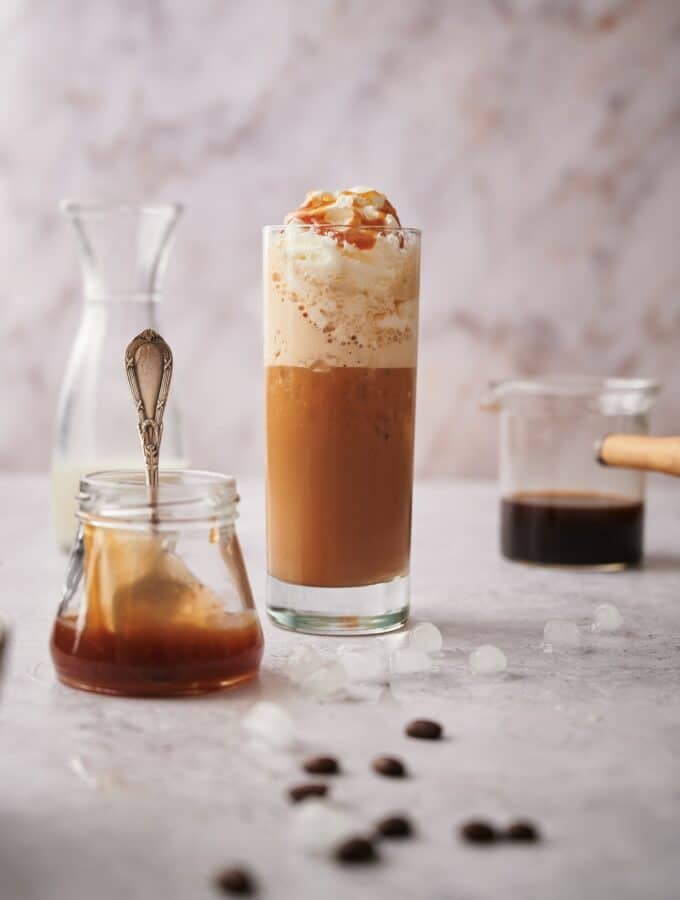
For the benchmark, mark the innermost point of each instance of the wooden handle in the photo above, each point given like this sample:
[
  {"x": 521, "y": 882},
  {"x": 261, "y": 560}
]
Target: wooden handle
[{"x": 639, "y": 451}]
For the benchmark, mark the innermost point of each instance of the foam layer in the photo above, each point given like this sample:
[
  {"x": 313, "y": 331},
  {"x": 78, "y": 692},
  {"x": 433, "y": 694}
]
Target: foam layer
[{"x": 332, "y": 301}]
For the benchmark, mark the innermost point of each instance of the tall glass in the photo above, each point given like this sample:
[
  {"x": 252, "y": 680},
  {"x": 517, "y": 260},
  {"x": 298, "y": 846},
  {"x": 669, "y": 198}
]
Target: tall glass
[{"x": 341, "y": 328}]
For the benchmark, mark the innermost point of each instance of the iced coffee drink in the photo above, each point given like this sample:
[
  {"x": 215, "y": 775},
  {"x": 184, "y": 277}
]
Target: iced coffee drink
[{"x": 341, "y": 316}]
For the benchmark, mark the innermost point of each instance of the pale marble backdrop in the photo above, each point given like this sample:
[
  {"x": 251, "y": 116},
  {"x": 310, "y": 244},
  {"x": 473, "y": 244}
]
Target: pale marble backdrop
[{"x": 536, "y": 143}]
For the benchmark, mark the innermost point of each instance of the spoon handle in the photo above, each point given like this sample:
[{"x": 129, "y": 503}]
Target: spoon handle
[
  {"x": 640, "y": 451},
  {"x": 148, "y": 363}
]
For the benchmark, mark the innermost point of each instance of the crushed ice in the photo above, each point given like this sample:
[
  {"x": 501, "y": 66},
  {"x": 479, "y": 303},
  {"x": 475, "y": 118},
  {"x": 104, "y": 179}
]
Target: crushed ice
[
  {"x": 301, "y": 662},
  {"x": 409, "y": 660},
  {"x": 560, "y": 634},
  {"x": 97, "y": 779},
  {"x": 317, "y": 826},
  {"x": 270, "y": 723},
  {"x": 325, "y": 682},
  {"x": 391, "y": 642},
  {"x": 426, "y": 636},
  {"x": 607, "y": 618},
  {"x": 487, "y": 660},
  {"x": 364, "y": 664}
]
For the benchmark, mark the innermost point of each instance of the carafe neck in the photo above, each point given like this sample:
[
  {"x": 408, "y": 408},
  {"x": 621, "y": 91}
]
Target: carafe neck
[
  {"x": 119, "y": 316},
  {"x": 123, "y": 250}
]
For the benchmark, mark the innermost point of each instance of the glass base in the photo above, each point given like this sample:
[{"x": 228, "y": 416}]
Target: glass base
[
  {"x": 587, "y": 567},
  {"x": 369, "y": 609},
  {"x": 185, "y": 689}
]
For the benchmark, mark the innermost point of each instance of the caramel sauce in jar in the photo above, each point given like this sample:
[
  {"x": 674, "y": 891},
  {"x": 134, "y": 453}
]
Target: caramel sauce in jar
[
  {"x": 158, "y": 610},
  {"x": 157, "y": 660}
]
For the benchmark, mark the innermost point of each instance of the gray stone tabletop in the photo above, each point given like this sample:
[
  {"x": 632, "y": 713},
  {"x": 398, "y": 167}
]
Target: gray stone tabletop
[{"x": 116, "y": 798}]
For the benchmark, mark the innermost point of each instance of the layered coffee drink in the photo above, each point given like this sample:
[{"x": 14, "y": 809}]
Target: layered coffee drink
[{"x": 341, "y": 314}]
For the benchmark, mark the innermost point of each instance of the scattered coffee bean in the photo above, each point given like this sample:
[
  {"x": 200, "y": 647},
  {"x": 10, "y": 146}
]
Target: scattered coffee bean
[
  {"x": 389, "y": 766},
  {"x": 321, "y": 765},
  {"x": 394, "y": 827},
  {"x": 356, "y": 850},
  {"x": 235, "y": 881},
  {"x": 303, "y": 791},
  {"x": 522, "y": 831},
  {"x": 425, "y": 729},
  {"x": 476, "y": 832}
]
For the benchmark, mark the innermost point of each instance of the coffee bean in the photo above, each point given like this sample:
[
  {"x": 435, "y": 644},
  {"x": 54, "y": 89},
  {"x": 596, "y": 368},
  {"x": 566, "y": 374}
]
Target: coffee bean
[
  {"x": 321, "y": 765},
  {"x": 235, "y": 881},
  {"x": 477, "y": 832},
  {"x": 425, "y": 729},
  {"x": 394, "y": 827},
  {"x": 356, "y": 850},
  {"x": 522, "y": 830},
  {"x": 303, "y": 791},
  {"x": 389, "y": 766}
]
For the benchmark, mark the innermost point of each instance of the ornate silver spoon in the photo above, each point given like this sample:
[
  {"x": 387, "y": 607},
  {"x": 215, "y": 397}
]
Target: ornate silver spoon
[{"x": 148, "y": 363}]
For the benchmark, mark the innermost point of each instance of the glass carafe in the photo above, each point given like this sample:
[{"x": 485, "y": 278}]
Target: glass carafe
[{"x": 124, "y": 250}]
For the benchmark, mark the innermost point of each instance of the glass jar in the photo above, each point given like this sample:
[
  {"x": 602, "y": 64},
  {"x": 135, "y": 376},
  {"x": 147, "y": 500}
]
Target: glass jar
[
  {"x": 124, "y": 250},
  {"x": 157, "y": 599},
  {"x": 558, "y": 505}
]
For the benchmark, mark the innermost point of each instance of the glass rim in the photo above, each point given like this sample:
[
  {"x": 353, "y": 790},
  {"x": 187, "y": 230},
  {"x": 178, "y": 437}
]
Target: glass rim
[
  {"x": 576, "y": 385},
  {"x": 131, "y": 477},
  {"x": 312, "y": 226},
  {"x": 75, "y": 208},
  {"x": 185, "y": 496}
]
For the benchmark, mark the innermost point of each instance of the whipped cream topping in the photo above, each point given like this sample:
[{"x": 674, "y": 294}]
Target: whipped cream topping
[
  {"x": 344, "y": 214},
  {"x": 341, "y": 284}
]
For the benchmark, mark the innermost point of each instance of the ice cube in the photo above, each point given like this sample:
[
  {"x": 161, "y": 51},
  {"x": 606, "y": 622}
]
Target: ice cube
[
  {"x": 487, "y": 660},
  {"x": 326, "y": 681},
  {"x": 391, "y": 642},
  {"x": 607, "y": 618},
  {"x": 363, "y": 665},
  {"x": 408, "y": 660},
  {"x": 427, "y": 637},
  {"x": 301, "y": 662},
  {"x": 270, "y": 723},
  {"x": 365, "y": 691},
  {"x": 316, "y": 826},
  {"x": 560, "y": 633},
  {"x": 102, "y": 780}
]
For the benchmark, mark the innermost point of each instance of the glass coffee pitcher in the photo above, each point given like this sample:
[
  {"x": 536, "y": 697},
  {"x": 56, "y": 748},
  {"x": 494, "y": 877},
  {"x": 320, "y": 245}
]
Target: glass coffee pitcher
[
  {"x": 124, "y": 251},
  {"x": 559, "y": 506}
]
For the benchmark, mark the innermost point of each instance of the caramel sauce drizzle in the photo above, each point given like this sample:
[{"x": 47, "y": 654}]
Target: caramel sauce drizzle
[{"x": 321, "y": 210}]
